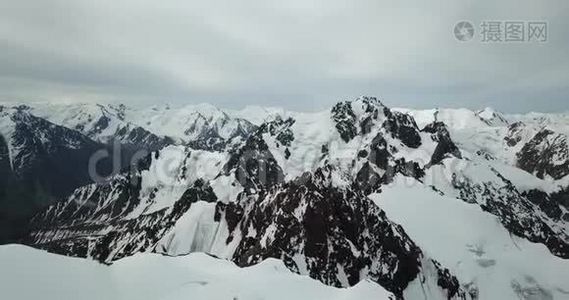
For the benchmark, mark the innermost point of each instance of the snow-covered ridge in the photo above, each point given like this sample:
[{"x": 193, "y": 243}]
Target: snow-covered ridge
[
  {"x": 485, "y": 132},
  {"x": 510, "y": 138},
  {"x": 475, "y": 246},
  {"x": 28, "y": 136},
  {"x": 206, "y": 126},
  {"x": 153, "y": 276},
  {"x": 201, "y": 125}
]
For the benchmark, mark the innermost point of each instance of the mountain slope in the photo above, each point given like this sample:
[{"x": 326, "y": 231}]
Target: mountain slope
[
  {"x": 41, "y": 162},
  {"x": 103, "y": 123},
  {"x": 152, "y": 276},
  {"x": 201, "y": 126},
  {"x": 536, "y": 143},
  {"x": 474, "y": 245}
]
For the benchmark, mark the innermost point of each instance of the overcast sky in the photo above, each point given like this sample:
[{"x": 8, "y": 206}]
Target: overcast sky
[{"x": 301, "y": 54}]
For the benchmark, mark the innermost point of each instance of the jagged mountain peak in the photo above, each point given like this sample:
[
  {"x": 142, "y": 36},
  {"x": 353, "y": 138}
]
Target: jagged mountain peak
[
  {"x": 369, "y": 100},
  {"x": 259, "y": 114},
  {"x": 202, "y": 125},
  {"x": 487, "y": 112},
  {"x": 29, "y": 137},
  {"x": 207, "y": 111},
  {"x": 492, "y": 117}
]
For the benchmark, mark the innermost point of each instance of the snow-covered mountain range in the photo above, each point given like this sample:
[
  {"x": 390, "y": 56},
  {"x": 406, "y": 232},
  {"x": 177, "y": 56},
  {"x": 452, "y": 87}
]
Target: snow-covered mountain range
[
  {"x": 201, "y": 126},
  {"x": 427, "y": 204}
]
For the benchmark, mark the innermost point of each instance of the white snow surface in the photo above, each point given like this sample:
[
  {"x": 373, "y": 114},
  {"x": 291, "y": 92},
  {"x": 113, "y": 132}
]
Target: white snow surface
[
  {"x": 7, "y": 128},
  {"x": 183, "y": 123},
  {"x": 29, "y": 274},
  {"x": 172, "y": 172},
  {"x": 474, "y": 245},
  {"x": 196, "y": 231},
  {"x": 484, "y": 131},
  {"x": 259, "y": 114}
]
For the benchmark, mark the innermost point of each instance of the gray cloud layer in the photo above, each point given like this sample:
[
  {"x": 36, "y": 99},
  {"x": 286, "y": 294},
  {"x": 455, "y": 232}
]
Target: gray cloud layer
[{"x": 298, "y": 54}]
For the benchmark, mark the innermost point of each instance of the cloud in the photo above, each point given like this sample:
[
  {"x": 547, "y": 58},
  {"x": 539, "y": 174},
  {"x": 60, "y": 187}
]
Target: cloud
[{"x": 301, "y": 55}]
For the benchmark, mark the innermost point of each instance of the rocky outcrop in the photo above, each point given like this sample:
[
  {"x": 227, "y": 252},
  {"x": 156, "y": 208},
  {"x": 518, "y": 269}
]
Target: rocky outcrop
[
  {"x": 545, "y": 155},
  {"x": 43, "y": 162},
  {"x": 520, "y": 213},
  {"x": 337, "y": 236},
  {"x": 253, "y": 165},
  {"x": 445, "y": 145},
  {"x": 402, "y": 127},
  {"x": 89, "y": 225}
]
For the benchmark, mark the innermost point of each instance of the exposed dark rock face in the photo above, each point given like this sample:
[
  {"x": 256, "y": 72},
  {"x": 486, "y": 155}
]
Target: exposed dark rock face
[
  {"x": 406, "y": 168},
  {"x": 381, "y": 167},
  {"x": 232, "y": 214},
  {"x": 445, "y": 145},
  {"x": 371, "y": 111},
  {"x": 345, "y": 119},
  {"x": 39, "y": 138},
  {"x": 5, "y": 167},
  {"x": 379, "y": 154},
  {"x": 561, "y": 197},
  {"x": 141, "y": 138},
  {"x": 555, "y": 205},
  {"x": 368, "y": 180},
  {"x": 366, "y": 115},
  {"x": 513, "y": 137},
  {"x": 253, "y": 165},
  {"x": 325, "y": 231},
  {"x": 546, "y": 204},
  {"x": 50, "y": 163},
  {"x": 100, "y": 125},
  {"x": 89, "y": 203},
  {"x": 448, "y": 282},
  {"x": 280, "y": 129},
  {"x": 402, "y": 127},
  {"x": 12, "y": 215},
  {"x": 546, "y": 154},
  {"x": 98, "y": 228}
]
